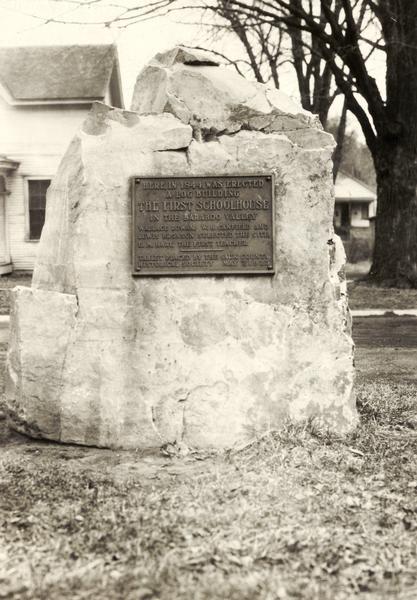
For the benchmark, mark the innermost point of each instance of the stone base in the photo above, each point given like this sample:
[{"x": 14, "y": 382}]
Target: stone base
[{"x": 98, "y": 357}]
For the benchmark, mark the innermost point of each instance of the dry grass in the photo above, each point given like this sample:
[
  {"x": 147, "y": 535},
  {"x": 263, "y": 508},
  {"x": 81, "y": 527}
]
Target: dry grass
[{"x": 301, "y": 514}]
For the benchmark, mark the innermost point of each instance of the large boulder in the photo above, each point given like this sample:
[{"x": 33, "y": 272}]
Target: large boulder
[{"x": 101, "y": 358}]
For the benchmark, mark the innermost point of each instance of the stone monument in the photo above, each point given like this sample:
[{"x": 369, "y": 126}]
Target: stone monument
[{"x": 188, "y": 282}]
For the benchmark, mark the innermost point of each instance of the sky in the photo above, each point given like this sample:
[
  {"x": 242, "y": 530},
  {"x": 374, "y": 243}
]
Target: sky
[{"x": 136, "y": 44}]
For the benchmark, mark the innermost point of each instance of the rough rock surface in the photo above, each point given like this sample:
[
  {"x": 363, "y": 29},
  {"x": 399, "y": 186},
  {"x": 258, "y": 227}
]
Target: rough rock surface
[
  {"x": 215, "y": 100},
  {"x": 98, "y": 357}
]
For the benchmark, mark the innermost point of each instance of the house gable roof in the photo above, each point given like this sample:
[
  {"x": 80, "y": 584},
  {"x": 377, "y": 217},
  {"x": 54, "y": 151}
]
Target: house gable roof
[
  {"x": 57, "y": 73},
  {"x": 348, "y": 188}
]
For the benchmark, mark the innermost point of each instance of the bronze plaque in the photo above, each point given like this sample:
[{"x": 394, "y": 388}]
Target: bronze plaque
[{"x": 203, "y": 225}]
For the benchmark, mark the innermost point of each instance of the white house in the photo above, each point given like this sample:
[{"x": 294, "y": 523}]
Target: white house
[
  {"x": 355, "y": 202},
  {"x": 45, "y": 94},
  {"x": 355, "y": 208}
]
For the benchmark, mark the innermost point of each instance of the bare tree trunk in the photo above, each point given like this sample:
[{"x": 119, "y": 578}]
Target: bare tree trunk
[
  {"x": 395, "y": 253},
  {"x": 395, "y": 154},
  {"x": 340, "y": 139}
]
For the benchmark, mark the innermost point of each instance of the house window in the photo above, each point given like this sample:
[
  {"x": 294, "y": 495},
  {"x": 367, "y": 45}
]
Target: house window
[
  {"x": 365, "y": 211},
  {"x": 37, "y": 203}
]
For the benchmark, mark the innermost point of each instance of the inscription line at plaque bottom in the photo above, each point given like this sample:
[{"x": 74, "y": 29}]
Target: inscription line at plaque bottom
[{"x": 203, "y": 250}]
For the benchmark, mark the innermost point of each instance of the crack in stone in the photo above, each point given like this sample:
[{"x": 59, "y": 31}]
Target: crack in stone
[
  {"x": 184, "y": 422},
  {"x": 153, "y": 416},
  {"x": 64, "y": 363},
  {"x": 155, "y": 424},
  {"x": 244, "y": 122},
  {"x": 184, "y": 149},
  {"x": 188, "y": 157}
]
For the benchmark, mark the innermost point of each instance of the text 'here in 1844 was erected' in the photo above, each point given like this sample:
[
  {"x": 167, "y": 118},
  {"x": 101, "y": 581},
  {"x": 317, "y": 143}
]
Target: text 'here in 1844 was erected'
[{"x": 202, "y": 225}]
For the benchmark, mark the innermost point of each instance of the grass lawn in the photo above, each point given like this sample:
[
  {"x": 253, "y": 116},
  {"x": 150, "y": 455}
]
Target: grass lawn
[
  {"x": 300, "y": 514},
  {"x": 363, "y": 296}
]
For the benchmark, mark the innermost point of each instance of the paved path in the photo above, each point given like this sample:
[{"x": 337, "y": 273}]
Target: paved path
[{"x": 382, "y": 312}]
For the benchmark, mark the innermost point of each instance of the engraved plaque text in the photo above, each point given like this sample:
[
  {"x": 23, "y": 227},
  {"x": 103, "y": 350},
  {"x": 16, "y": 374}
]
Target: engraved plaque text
[{"x": 202, "y": 225}]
